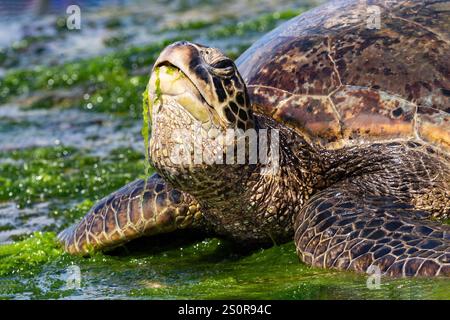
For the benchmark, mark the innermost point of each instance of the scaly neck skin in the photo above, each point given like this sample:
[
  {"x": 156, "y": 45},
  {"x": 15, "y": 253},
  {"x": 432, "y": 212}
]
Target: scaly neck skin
[
  {"x": 248, "y": 204},
  {"x": 237, "y": 200}
]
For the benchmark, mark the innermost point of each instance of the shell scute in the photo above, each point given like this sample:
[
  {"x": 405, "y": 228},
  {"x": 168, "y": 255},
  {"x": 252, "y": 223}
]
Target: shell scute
[
  {"x": 432, "y": 15},
  {"x": 378, "y": 80},
  {"x": 265, "y": 99},
  {"x": 433, "y": 126},
  {"x": 314, "y": 116},
  {"x": 308, "y": 63},
  {"x": 403, "y": 57},
  {"x": 373, "y": 115}
]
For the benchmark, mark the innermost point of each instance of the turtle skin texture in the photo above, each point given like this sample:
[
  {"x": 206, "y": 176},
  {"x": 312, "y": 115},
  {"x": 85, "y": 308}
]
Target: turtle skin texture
[
  {"x": 337, "y": 229},
  {"x": 141, "y": 208},
  {"x": 360, "y": 94}
]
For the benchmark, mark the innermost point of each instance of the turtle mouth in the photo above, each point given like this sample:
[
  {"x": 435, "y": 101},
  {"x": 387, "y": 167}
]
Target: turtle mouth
[
  {"x": 170, "y": 82},
  {"x": 173, "y": 67}
]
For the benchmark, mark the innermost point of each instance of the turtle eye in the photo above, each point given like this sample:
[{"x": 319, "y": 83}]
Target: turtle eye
[
  {"x": 223, "y": 68},
  {"x": 223, "y": 64},
  {"x": 217, "y": 63}
]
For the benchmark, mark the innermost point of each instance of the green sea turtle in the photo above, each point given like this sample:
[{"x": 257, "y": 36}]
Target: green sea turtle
[{"x": 359, "y": 97}]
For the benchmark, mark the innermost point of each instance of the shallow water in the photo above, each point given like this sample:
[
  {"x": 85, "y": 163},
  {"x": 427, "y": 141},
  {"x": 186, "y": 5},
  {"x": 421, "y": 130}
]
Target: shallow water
[{"x": 70, "y": 134}]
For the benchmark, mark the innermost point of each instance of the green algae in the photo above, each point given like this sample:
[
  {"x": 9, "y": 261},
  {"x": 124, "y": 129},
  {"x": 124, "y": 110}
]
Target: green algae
[
  {"x": 188, "y": 267},
  {"x": 26, "y": 256},
  {"x": 146, "y": 118},
  {"x": 116, "y": 40},
  {"x": 158, "y": 92},
  {"x": 71, "y": 214},
  {"x": 108, "y": 81},
  {"x": 260, "y": 24},
  {"x": 230, "y": 26},
  {"x": 113, "y": 23},
  {"x": 61, "y": 172},
  {"x": 194, "y": 25},
  {"x": 98, "y": 75},
  {"x": 147, "y": 112}
]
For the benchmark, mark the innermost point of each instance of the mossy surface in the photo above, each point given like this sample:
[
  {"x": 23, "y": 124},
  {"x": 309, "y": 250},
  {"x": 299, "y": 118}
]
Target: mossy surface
[
  {"x": 146, "y": 118},
  {"x": 108, "y": 81},
  {"x": 25, "y": 256},
  {"x": 127, "y": 69},
  {"x": 84, "y": 104},
  {"x": 189, "y": 267},
  {"x": 43, "y": 174}
]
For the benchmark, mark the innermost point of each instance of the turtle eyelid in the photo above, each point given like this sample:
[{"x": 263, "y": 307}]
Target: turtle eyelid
[
  {"x": 223, "y": 64},
  {"x": 223, "y": 68}
]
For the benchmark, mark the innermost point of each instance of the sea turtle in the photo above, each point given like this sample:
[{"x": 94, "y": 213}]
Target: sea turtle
[{"x": 358, "y": 97}]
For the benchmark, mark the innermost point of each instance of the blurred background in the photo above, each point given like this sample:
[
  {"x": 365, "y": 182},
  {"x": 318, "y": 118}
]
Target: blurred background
[{"x": 70, "y": 134}]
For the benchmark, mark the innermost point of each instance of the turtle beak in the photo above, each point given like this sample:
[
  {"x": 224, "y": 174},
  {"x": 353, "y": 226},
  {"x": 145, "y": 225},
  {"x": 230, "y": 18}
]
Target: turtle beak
[
  {"x": 168, "y": 83},
  {"x": 186, "y": 57},
  {"x": 175, "y": 76}
]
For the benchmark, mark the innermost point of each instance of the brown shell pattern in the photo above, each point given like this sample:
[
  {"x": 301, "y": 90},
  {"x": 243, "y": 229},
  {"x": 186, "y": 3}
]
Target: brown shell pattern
[{"x": 338, "y": 78}]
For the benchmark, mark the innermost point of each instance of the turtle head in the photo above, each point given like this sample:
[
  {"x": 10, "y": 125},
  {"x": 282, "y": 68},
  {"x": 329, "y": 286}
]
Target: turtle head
[
  {"x": 196, "y": 96},
  {"x": 204, "y": 82}
]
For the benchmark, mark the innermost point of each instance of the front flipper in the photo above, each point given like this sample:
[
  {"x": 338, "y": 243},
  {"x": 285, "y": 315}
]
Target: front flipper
[
  {"x": 143, "y": 207},
  {"x": 344, "y": 229}
]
